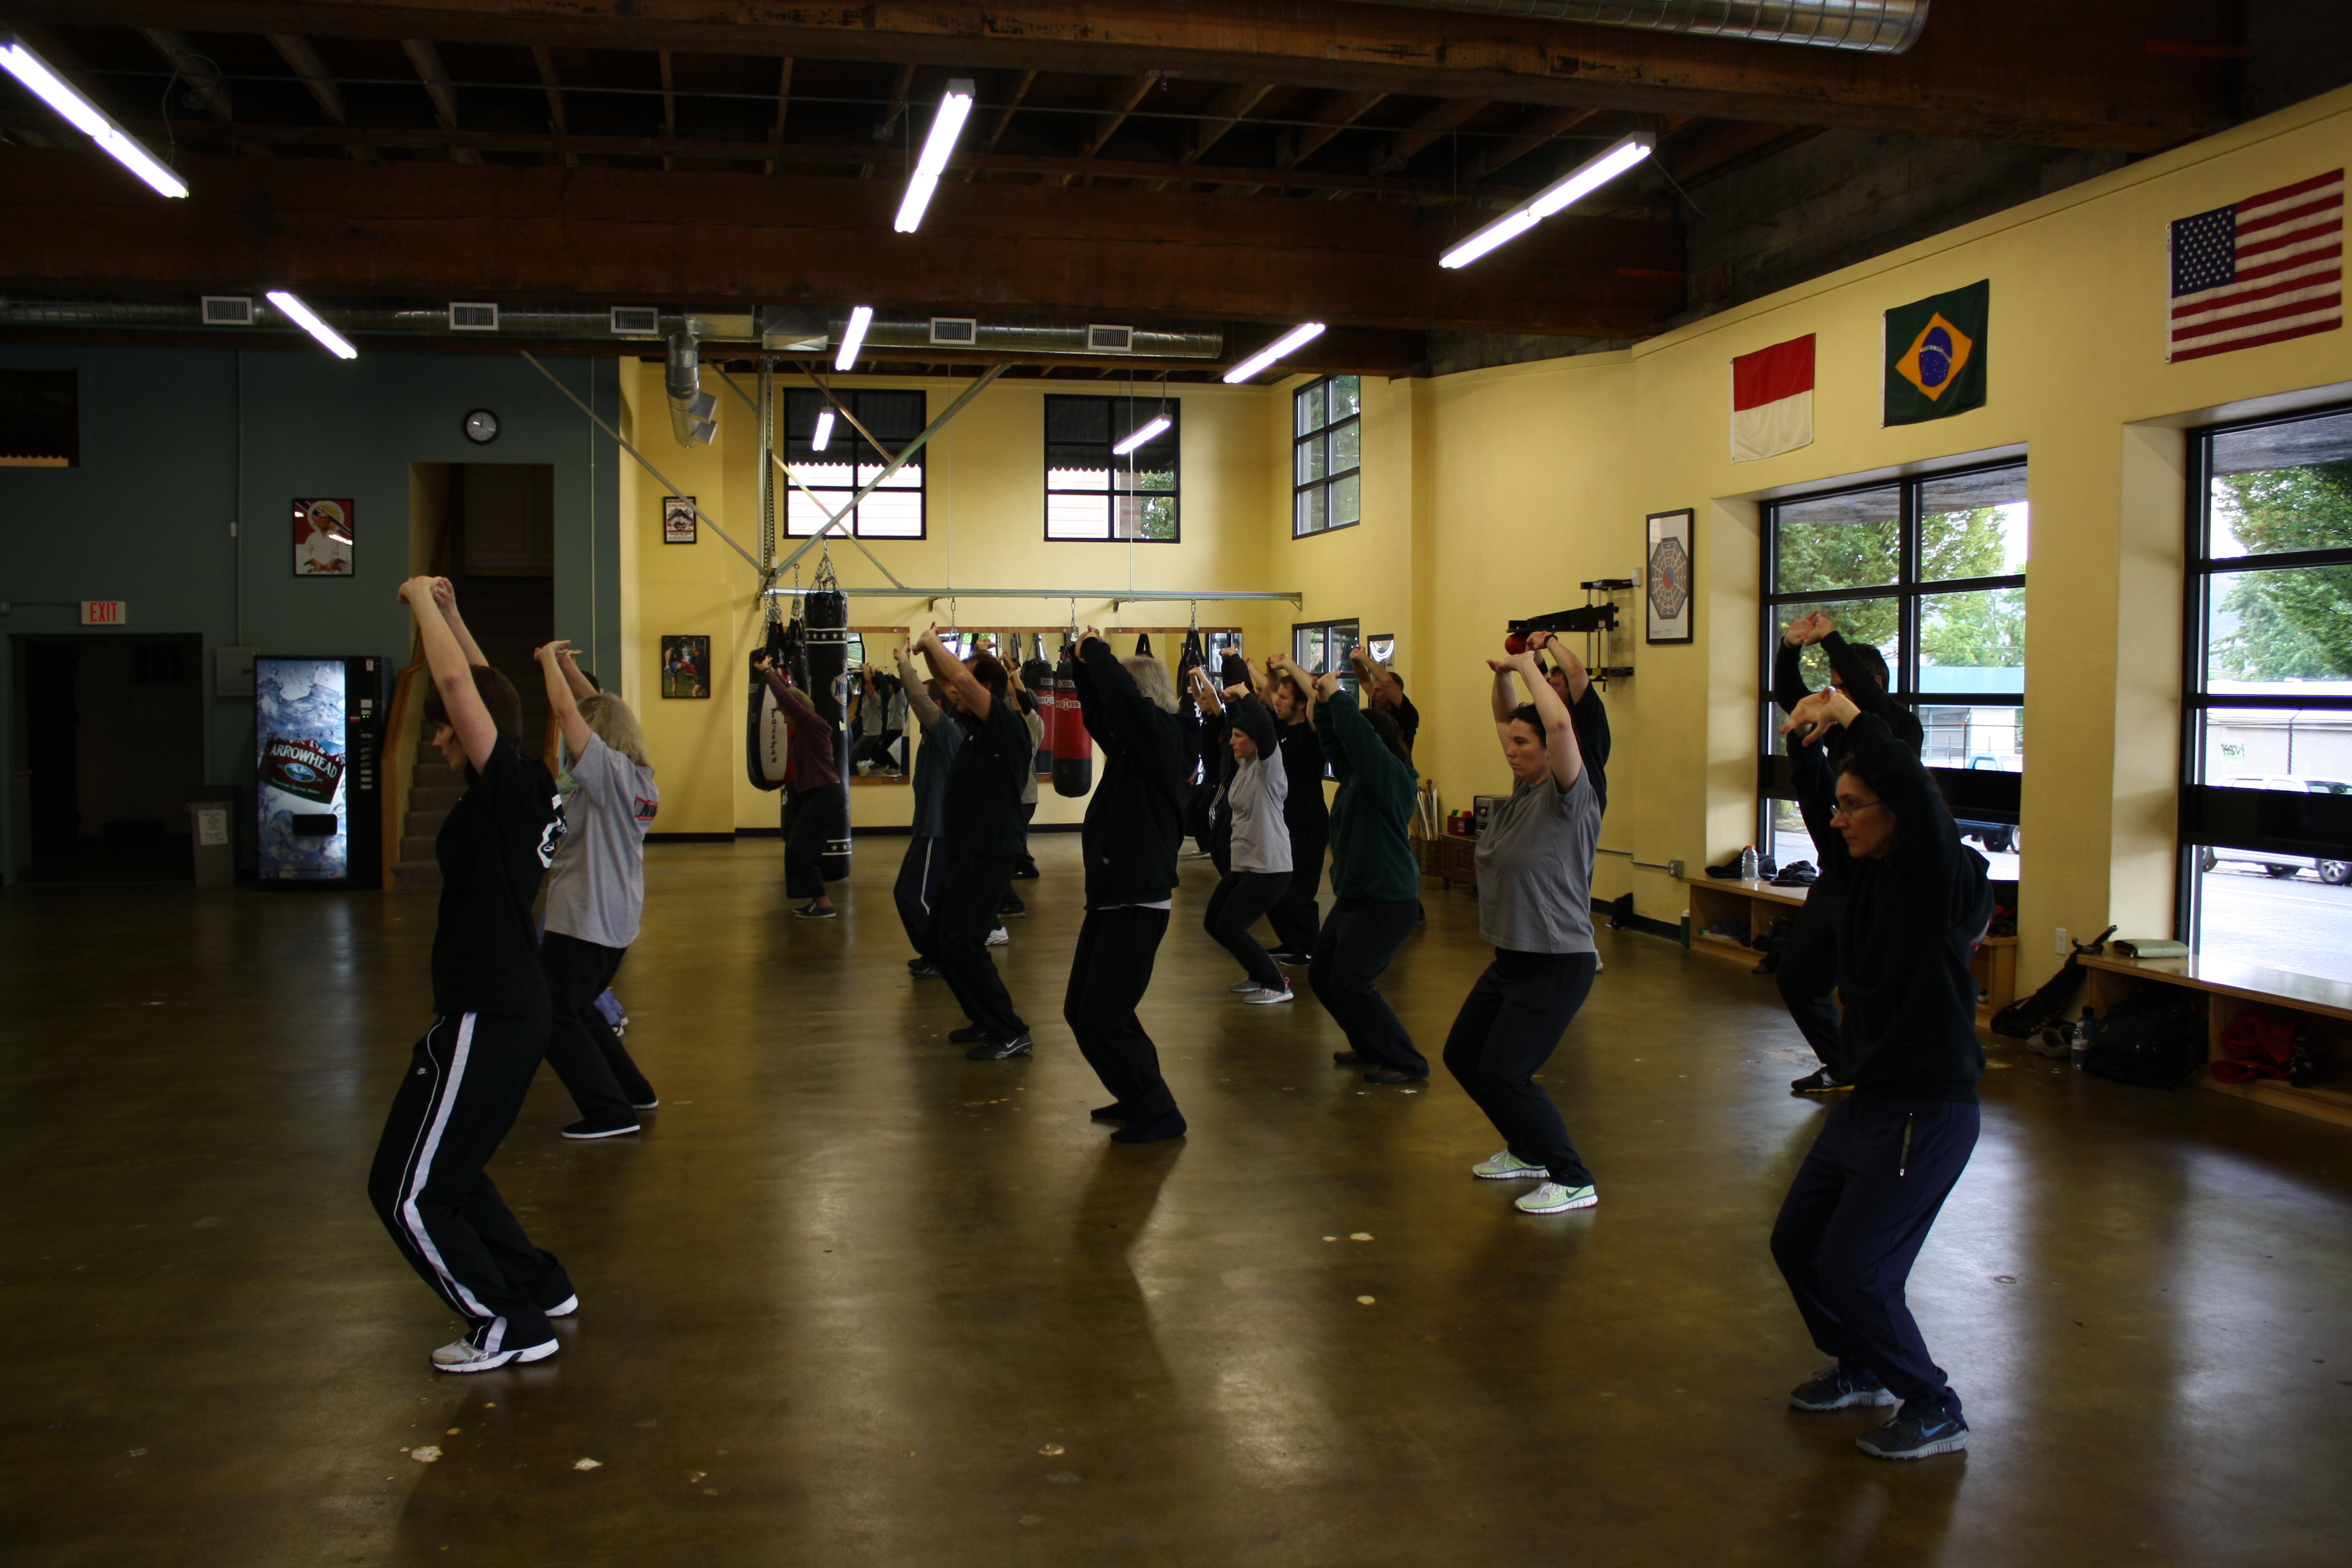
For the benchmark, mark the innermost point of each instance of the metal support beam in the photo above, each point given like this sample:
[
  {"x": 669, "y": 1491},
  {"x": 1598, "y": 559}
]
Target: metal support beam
[
  {"x": 767, "y": 421},
  {"x": 1117, "y": 596}
]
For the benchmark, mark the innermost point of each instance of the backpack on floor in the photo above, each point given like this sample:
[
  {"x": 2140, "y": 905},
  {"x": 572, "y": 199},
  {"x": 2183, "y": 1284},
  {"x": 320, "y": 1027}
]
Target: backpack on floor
[{"x": 2156, "y": 1040}]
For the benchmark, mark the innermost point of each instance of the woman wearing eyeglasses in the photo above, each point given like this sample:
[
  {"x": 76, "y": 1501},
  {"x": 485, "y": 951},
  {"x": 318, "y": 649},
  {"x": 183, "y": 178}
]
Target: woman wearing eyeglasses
[{"x": 1865, "y": 1197}]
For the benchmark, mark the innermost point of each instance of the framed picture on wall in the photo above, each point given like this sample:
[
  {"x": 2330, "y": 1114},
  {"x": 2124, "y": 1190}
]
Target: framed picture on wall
[
  {"x": 1670, "y": 572},
  {"x": 685, "y": 667},
  {"x": 322, "y": 538},
  {"x": 677, "y": 519}
]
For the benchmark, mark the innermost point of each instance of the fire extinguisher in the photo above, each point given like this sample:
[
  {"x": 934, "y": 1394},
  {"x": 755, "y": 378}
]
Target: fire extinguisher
[{"x": 1073, "y": 749}]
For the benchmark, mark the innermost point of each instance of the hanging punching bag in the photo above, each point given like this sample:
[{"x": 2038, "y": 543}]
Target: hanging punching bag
[
  {"x": 828, "y": 670},
  {"x": 1143, "y": 645},
  {"x": 1038, "y": 677},
  {"x": 766, "y": 732},
  {"x": 1074, "y": 748}
]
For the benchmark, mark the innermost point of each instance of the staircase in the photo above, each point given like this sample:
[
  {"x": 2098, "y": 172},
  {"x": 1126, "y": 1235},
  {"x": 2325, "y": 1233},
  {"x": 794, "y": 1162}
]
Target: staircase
[{"x": 509, "y": 616}]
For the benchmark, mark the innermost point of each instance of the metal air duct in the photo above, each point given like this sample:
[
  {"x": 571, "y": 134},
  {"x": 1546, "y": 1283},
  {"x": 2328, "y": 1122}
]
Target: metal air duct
[
  {"x": 693, "y": 413},
  {"x": 1869, "y": 26}
]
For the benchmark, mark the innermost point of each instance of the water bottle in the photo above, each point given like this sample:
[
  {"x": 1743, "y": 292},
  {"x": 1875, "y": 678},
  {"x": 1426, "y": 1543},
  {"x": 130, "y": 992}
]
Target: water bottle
[
  {"x": 2080, "y": 1047},
  {"x": 1748, "y": 864}
]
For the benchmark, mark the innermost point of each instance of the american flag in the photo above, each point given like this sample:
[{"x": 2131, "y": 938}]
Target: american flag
[{"x": 2260, "y": 270}]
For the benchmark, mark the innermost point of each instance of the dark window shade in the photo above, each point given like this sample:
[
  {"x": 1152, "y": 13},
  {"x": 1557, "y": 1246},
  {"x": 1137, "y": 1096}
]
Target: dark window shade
[
  {"x": 40, "y": 418},
  {"x": 2283, "y": 822},
  {"x": 1972, "y": 794}
]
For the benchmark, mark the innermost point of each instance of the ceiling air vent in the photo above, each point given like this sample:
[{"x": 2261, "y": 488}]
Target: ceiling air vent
[
  {"x": 954, "y": 331},
  {"x": 1110, "y": 340},
  {"x": 473, "y": 318},
  {"x": 228, "y": 311},
  {"x": 635, "y": 321}
]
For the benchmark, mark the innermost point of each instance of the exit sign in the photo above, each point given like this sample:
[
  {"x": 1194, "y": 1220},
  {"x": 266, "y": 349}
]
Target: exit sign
[{"x": 103, "y": 613}]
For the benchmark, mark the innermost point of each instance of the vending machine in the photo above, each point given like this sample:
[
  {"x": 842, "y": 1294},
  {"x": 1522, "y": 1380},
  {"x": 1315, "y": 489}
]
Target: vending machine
[{"x": 318, "y": 726}]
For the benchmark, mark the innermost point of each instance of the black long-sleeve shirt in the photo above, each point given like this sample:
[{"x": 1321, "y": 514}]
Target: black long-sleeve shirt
[
  {"x": 1911, "y": 919},
  {"x": 1814, "y": 766},
  {"x": 1136, "y": 815}
]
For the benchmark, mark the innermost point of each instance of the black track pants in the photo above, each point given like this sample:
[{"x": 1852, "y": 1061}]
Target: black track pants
[
  {"x": 1242, "y": 897},
  {"x": 1508, "y": 1028},
  {"x": 1853, "y": 1225},
  {"x": 1808, "y": 974},
  {"x": 1354, "y": 946},
  {"x": 966, "y": 912},
  {"x": 819, "y": 816},
  {"x": 1296, "y": 917},
  {"x": 917, "y": 893},
  {"x": 465, "y": 1083},
  {"x": 581, "y": 1045},
  {"x": 1109, "y": 973}
]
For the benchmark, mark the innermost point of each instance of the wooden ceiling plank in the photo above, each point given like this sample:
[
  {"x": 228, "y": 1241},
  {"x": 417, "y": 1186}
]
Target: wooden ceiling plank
[
  {"x": 434, "y": 75},
  {"x": 550, "y": 83},
  {"x": 303, "y": 61},
  {"x": 783, "y": 103},
  {"x": 895, "y": 107}
]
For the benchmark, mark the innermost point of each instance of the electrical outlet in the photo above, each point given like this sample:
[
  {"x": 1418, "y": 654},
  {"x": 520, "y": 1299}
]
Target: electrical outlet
[
  {"x": 2064, "y": 947},
  {"x": 1675, "y": 870}
]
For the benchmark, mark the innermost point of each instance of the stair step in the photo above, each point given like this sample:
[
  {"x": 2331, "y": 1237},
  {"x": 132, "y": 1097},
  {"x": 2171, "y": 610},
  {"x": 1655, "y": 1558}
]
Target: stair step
[
  {"x": 415, "y": 876},
  {"x": 415, "y": 847},
  {"x": 435, "y": 797}
]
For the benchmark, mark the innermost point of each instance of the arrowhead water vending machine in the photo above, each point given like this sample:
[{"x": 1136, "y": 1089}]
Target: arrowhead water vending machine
[{"x": 318, "y": 724}]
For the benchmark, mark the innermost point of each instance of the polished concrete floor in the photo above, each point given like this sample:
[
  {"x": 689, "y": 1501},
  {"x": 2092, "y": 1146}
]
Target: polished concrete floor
[{"x": 851, "y": 1300}]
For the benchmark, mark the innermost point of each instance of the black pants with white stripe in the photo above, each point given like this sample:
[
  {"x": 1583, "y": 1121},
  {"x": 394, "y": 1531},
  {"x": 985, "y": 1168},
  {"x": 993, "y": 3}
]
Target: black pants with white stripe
[
  {"x": 465, "y": 1085},
  {"x": 918, "y": 892}
]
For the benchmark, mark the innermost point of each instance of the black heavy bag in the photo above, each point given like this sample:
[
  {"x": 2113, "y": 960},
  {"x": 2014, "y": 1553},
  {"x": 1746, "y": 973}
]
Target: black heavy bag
[
  {"x": 1038, "y": 677},
  {"x": 828, "y": 622},
  {"x": 1143, "y": 645},
  {"x": 1074, "y": 748},
  {"x": 1188, "y": 659},
  {"x": 766, "y": 732}
]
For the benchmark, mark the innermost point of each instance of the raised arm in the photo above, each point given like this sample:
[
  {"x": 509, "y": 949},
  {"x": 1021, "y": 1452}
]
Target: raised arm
[
  {"x": 919, "y": 701},
  {"x": 1861, "y": 684},
  {"x": 1788, "y": 661},
  {"x": 1580, "y": 679},
  {"x": 1107, "y": 695},
  {"x": 563, "y": 699},
  {"x": 1560, "y": 734},
  {"x": 1285, "y": 665},
  {"x": 1252, "y": 717},
  {"x": 445, "y": 597},
  {"x": 1928, "y": 842},
  {"x": 1205, "y": 692},
  {"x": 946, "y": 667},
  {"x": 797, "y": 708},
  {"x": 453, "y": 673}
]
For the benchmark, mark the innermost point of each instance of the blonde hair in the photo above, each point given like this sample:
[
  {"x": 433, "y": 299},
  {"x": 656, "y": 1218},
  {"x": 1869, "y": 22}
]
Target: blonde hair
[
  {"x": 1151, "y": 680},
  {"x": 614, "y": 725}
]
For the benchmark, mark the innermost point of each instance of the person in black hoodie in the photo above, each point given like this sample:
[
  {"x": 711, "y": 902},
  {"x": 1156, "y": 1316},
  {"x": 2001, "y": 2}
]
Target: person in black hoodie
[
  {"x": 1132, "y": 826},
  {"x": 1862, "y": 1203},
  {"x": 1807, "y": 971}
]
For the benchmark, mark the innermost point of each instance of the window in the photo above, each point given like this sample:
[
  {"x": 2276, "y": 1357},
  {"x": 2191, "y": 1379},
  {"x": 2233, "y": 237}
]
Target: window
[
  {"x": 1323, "y": 646},
  {"x": 2266, "y": 797},
  {"x": 1325, "y": 457},
  {"x": 848, "y": 461},
  {"x": 1931, "y": 573},
  {"x": 1092, "y": 492},
  {"x": 40, "y": 419}
]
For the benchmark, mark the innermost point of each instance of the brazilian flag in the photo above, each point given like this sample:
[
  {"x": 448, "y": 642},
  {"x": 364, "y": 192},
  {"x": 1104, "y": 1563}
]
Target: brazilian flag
[{"x": 1935, "y": 355}]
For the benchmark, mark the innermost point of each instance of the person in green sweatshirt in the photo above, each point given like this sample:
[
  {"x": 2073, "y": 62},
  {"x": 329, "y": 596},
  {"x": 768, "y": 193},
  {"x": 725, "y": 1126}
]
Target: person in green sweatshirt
[{"x": 1375, "y": 881}]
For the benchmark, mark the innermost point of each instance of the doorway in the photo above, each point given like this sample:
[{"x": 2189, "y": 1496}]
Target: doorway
[{"x": 113, "y": 738}]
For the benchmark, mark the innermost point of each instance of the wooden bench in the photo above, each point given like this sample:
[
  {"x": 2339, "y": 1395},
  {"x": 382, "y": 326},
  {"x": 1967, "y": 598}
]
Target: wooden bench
[
  {"x": 2322, "y": 1006},
  {"x": 1714, "y": 898}
]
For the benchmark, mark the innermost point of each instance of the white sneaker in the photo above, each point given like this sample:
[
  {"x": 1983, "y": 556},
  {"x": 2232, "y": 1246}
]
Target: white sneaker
[
  {"x": 1242, "y": 987},
  {"x": 565, "y": 1308},
  {"x": 1507, "y": 1166},
  {"x": 464, "y": 1355},
  {"x": 1266, "y": 995},
  {"x": 999, "y": 937},
  {"x": 1553, "y": 1198}
]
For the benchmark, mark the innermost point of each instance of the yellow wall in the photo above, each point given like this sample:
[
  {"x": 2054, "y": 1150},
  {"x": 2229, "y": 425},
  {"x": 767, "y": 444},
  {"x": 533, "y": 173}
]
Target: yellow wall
[
  {"x": 985, "y": 529},
  {"x": 1492, "y": 494}
]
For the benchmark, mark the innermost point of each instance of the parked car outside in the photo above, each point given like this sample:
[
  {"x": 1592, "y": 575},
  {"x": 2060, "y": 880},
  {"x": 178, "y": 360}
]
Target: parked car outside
[{"x": 2335, "y": 873}]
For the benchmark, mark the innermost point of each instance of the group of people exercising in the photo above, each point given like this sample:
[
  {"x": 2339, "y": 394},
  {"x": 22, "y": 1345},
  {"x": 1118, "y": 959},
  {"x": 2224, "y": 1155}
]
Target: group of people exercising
[{"x": 1890, "y": 925}]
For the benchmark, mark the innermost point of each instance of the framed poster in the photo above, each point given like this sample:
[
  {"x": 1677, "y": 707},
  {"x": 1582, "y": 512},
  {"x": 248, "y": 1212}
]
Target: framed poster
[
  {"x": 685, "y": 667},
  {"x": 677, "y": 519},
  {"x": 1669, "y": 569},
  {"x": 322, "y": 538}
]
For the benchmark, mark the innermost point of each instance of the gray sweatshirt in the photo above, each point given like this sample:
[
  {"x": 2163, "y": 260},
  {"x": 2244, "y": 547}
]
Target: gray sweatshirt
[{"x": 1254, "y": 794}]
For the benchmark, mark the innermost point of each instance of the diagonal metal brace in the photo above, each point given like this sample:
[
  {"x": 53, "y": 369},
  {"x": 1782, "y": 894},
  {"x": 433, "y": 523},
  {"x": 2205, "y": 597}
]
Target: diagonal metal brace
[{"x": 913, "y": 447}]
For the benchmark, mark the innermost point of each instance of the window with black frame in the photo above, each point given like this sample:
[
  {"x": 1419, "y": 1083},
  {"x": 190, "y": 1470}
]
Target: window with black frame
[
  {"x": 1326, "y": 450},
  {"x": 1931, "y": 573},
  {"x": 2266, "y": 797},
  {"x": 1101, "y": 481},
  {"x": 831, "y": 461}
]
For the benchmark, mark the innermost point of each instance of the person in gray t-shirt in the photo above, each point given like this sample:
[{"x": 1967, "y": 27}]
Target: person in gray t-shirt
[
  {"x": 1252, "y": 798},
  {"x": 1534, "y": 904},
  {"x": 595, "y": 893}
]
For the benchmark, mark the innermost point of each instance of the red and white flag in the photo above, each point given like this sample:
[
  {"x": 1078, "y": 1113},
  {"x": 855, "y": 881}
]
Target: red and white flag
[
  {"x": 1772, "y": 400},
  {"x": 2260, "y": 271}
]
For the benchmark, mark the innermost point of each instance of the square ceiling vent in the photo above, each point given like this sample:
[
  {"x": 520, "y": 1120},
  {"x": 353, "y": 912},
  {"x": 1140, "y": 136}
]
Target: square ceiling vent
[
  {"x": 637, "y": 321},
  {"x": 954, "y": 331},
  {"x": 1110, "y": 340},
  {"x": 473, "y": 316},
  {"x": 228, "y": 309}
]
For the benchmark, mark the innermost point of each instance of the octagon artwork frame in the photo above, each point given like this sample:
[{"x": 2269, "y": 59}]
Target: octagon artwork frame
[{"x": 1669, "y": 577}]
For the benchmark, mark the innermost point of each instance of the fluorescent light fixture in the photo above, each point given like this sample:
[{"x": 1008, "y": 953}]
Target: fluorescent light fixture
[
  {"x": 1142, "y": 433},
  {"x": 823, "y": 437},
  {"x": 853, "y": 335},
  {"x": 1290, "y": 341},
  {"x": 307, "y": 320},
  {"x": 1569, "y": 188},
  {"x": 87, "y": 117},
  {"x": 955, "y": 107}
]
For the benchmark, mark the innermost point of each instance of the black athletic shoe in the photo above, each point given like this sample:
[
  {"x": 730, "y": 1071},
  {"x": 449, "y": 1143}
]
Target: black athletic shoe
[
  {"x": 1160, "y": 1127},
  {"x": 600, "y": 1129},
  {"x": 1010, "y": 906},
  {"x": 923, "y": 969},
  {"x": 1025, "y": 873},
  {"x": 1834, "y": 1388},
  {"x": 1818, "y": 1081},
  {"x": 811, "y": 911},
  {"x": 1917, "y": 1432},
  {"x": 1114, "y": 1112},
  {"x": 990, "y": 1051},
  {"x": 1287, "y": 959},
  {"x": 968, "y": 1035}
]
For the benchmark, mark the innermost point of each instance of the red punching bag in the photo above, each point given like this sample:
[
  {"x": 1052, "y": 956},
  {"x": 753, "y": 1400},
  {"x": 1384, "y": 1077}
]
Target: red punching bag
[{"x": 1073, "y": 749}]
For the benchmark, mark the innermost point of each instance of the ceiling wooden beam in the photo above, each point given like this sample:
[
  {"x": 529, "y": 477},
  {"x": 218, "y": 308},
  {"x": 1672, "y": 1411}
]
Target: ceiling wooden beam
[
  {"x": 783, "y": 103},
  {"x": 427, "y": 230},
  {"x": 1116, "y": 105},
  {"x": 311, "y": 71},
  {"x": 199, "y": 71},
  {"x": 1536, "y": 129},
  {"x": 1333, "y": 115},
  {"x": 892, "y": 110},
  {"x": 1225, "y": 111},
  {"x": 2019, "y": 70},
  {"x": 426, "y": 59},
  {"x": 543, "y": 58}
]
